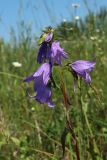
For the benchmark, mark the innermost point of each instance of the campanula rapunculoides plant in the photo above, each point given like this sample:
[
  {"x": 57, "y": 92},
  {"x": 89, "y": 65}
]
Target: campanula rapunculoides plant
[{"x": 51, "y": 54}]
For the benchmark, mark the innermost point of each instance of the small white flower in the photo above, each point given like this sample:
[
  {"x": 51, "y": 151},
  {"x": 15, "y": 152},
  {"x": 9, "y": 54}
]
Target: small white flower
[
  {"x": 76, "y": 5},
  {"x": 71, "y": 29},
  {"x": 77, "y": 18},
  {"x": 32, "y": 109},
  {"x": 16, "y": 64},
  {"x": 97, "y": 30},
  {"x": 93, "y": 38}
]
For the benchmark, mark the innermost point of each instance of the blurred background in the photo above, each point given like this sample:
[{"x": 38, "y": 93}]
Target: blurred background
[{"x": 28, "y": 130}]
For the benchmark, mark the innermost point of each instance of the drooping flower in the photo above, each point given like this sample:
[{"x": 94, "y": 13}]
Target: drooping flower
[
  {"x": 43, "y": 71},
  {"x": 44, "y": 92},
  {"x": 41, "y": 86},
  {"x": 57, "y": 53},
  {"x": 83, "y": 68}
]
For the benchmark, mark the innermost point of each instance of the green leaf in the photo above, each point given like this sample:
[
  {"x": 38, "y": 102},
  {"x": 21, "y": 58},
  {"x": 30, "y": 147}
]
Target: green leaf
[{"x": 42, "y": 38}]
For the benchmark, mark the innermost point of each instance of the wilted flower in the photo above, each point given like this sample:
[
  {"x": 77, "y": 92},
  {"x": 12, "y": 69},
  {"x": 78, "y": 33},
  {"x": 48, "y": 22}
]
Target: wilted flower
[
  {"x": 43, "y": 52},
  {"x": 83, "y": 68},
  {"x": 44, "y": 72},
  {"x": 57, "y": 53},
  {"x": 16, "y": 64}
]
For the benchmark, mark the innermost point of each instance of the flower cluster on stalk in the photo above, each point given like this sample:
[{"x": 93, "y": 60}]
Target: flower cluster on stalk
[{"x": 49, "y": 54}]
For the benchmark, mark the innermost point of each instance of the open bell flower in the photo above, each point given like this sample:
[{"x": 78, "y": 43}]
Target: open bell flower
[
  {"x": 44, "y": 92},
  {"x": 41, "y": 86},
  {"x": 43, "y": 71},
  {"x": 83, "y": 68},
  {"x": 57, "y": 53}
]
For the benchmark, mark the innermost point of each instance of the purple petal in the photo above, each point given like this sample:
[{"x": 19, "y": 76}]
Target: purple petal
[
  {"x": 42, "y": 52},
  {"x": 28, "y": 79},
  {"x": 51, "y": 104},
  {"x": 87, "y": 78},
  {"x": 82, "y": 68},
  {"x": 49, "y": 37},
  {"x": 57, "y": 53},
  {"x": 38, "y": 83},
  {"x": 81, "y": 65},
  {"x": 44, "y": 71},
  {"x": 44, "y": 95}
]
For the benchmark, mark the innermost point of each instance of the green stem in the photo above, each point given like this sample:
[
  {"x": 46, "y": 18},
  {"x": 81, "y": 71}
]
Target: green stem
[{"x": 96, "y": 150}]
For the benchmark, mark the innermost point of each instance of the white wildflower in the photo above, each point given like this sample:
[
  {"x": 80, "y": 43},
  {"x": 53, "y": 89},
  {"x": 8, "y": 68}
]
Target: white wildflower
[
  {"x": 93, "y": 38},
  {"x": 97, "y": 30},
  {"x": 16, "y": 64}
]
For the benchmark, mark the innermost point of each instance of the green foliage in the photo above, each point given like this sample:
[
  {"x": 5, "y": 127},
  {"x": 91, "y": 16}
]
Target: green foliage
[{"x": 30, "y": 131}]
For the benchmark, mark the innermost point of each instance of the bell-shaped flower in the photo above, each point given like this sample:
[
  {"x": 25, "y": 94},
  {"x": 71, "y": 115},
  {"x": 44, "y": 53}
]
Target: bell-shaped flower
[
  {"x": 57, "y": 53},
  {"x": 83, "y": 68},
  {"x": 44, "y": 92},
  {"x": 41, "y": 86},
  {"x": 43, "y": 52},
  {"x": 44, "y": 71}
]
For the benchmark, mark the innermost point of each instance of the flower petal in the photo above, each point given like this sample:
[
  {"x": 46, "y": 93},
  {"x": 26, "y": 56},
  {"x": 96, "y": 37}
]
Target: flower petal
[
  {"x": 49, "y": 37},
  {"x": 81, "y": 65},
  {"x": 28, "y": 79},
  {"x": 82, "y": 68},
  {"x": 44, "y": 71},
  {"x": 57, "y": 53},
  {"x": 87, "y": 78}
]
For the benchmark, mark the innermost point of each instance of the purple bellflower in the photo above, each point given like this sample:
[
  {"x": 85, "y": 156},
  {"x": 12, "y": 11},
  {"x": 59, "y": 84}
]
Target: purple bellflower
[
  {"x": 44, "y": 92},
  {"x": 83, "y": 68},
  {"x": 42, "y": 89},
  {"x": 43, "y": 52},
  {"x": 57, "y": 53},
  {"x": 43, "y": 71}
]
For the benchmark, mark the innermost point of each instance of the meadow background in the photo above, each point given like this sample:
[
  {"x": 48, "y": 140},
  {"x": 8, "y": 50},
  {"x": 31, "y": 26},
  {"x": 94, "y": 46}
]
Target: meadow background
[{"x": 30, "y": 131}]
